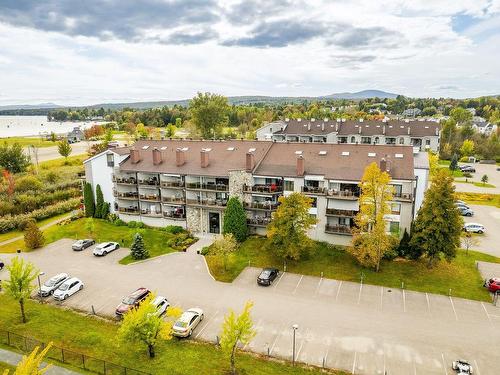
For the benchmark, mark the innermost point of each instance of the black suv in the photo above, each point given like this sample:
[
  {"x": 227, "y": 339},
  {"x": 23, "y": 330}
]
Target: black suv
[{"x": 267, "y": 276}]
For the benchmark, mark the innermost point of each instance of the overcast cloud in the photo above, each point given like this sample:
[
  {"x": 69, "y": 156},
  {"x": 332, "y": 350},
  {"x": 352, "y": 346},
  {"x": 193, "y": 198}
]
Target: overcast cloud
[{"x": 94, "y": 51}]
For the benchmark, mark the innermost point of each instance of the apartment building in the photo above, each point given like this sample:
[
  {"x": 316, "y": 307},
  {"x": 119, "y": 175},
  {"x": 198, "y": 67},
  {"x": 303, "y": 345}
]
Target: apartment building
[
  {"x": 188, "y": 183},
  {"x": 422, "y": 134}
]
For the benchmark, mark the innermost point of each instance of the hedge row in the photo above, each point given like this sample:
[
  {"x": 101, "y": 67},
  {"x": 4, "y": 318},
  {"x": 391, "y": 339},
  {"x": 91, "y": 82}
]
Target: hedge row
[
  {"x": 26, "y": 203},
  {"x": 12, "y": 222}
]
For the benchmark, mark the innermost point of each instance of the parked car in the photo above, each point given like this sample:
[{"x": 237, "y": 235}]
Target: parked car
[
  {"x": 131, "y": 301},
  {"x": 467, "y": 168},
  {"x": 188, "y": 321},
  {"x": 458, "y": 204},
  {"x": 462, "y": 367},
  {"x": 52, "y": 284},
  {"x": 105, "y": 248},
  {"x": 68, "y": 288},
  {"x": 465, "y": 211},
  {"x": 267, "y": 276},
  {"x": 474, "y": 228},
  {"x": 493, "y": 284},
  {"x": 82, "y": 244},
  {"x": 458, "y": 201},
  {"x": 161, "y": 304}
]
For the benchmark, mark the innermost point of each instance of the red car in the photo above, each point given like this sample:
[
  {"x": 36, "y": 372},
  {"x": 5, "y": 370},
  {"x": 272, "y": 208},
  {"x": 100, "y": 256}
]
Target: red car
[
  {"x": 131, "y": 301},
  {"x": 493, "y": 285}
]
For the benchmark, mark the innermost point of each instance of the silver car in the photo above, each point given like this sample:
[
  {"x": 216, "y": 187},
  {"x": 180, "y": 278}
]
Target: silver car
[
  {"x": 105, "y": 248},
  {"x": 82, "y": 244},
  {"x": 161, "y": 304},
  {"x": 474, "y": 228},
  {"x": 52, "y": 284},
  {"x": 68, "y": 288},
  {"x": 188, "y": 321}
]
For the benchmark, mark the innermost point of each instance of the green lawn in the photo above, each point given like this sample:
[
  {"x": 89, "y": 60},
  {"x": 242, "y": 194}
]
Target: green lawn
[
  {"x": 156, "y": 241},
  {"x": 4, "y": 366},
  {"x": 479, "y": 184},
  {"x": 480, "y": 198},
  {"x": 97, "y": 338},
  {"x": 460, "y": 275},
  {"x": 28, "y": 141}
]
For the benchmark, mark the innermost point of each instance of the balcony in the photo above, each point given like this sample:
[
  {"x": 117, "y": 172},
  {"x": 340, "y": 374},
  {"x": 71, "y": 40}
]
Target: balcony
[
  {"x": 406, "y": 197},
  {"x": 338, "y": 229},
  {"x": 151, "y": 213},
  {"x": 124, "y": 181},
  {"x": 258, "y": 221},
  {"x": 313, "y": 190},
  {"x": 207, "y": 202},
  {"x": 266, "y": 189},
  {"x": 149, "y": 182},
  {"x": 338, "y": 212},
  {"x": 267, "y": 206},
  {"x": 129, "y": 195},
  {"x": 172, "y": 184},
  {"x": 128, "y": 210},
  {"x": 174, "y": 215},
  {"x": 342, "y": 194},
  {"x": 174, "y": 200},
  {"x": 207, "y": 186},
  {"x": 149, "y": 197}
]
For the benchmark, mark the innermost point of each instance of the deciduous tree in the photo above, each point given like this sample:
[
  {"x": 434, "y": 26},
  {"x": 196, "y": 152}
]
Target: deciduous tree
[
  {"x": 13, "y": 158},
  {"x": 484, "y": 179},
  {"x": 468, "y": 241},
  {"x": 223, "y": 246},
  {"x": 236, "y": 330},
  {"x": 20, "y": 284},
  {"x": 287, "y": 231},
  {"x": 436, "y": 231},
  {"x": 209, "y": 113},
  {"x": 33, "y": 236},
  {"x": 370, "y": 241},
  {"x": 64, "y": 148},
  {"x": 30, "y": 364},
  {"x": 467, "y": 147},
  {"x": 235, "y": 220}
]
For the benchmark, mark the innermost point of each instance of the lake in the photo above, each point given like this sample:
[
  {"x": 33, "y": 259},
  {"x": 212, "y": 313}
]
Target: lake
[{"x": 20, "y": 126}]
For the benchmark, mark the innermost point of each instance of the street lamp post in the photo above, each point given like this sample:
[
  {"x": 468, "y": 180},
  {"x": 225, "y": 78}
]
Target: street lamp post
[
  {"x": 40, "y": 285},
  {"x": 295, "y": 328}
]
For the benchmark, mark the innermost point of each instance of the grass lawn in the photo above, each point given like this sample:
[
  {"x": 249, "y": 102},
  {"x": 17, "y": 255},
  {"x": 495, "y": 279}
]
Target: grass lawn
[
  {"x": 479, "y": 198},
  {"x": 98, "y": 338},
  {"x": 156, "y": 241},
  {"x": 4, "y": 366},
  {"x": 479, "y": 184},
  {"x": 460, "y": 275},
  {"x": 28, "y": 141}
]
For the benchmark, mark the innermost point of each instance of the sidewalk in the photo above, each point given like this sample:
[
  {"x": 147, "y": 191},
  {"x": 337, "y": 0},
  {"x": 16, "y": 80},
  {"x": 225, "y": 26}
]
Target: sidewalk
[{"x": 13, "y": 359}]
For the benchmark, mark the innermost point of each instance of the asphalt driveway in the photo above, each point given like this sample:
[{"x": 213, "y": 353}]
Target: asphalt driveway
[
  {"x": 363, "y": 329},
  {"x": 481, "y": 169},
  {"x": 489, "y": 216}
]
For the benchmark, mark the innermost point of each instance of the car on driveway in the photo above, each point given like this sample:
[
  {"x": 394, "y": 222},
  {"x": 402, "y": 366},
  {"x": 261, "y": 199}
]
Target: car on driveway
[
  {"x": 131, "y": 301},
  {"x": 68, "y": 288},
  {"x": 465, "y": 211},
  {"x": 188, "y": 321},
  {"x": 52, "y": 284},
  {"x": 493, "y": 285},
  {"x": 462, "y": 367},
  {"x": 161, "y": 304},
  {"x": 105, "y": 248},
  {"x": 267, "y": 276},
  {"x": 82, "y": 244},
  {"x": 474, "y": 228},
  {"x": 467, "y": 168}
]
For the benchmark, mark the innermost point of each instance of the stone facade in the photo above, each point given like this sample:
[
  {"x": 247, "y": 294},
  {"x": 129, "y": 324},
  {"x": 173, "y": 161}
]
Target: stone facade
[
  {"x": 236, "y": 181},
  {"x": 193, "y": 219}
]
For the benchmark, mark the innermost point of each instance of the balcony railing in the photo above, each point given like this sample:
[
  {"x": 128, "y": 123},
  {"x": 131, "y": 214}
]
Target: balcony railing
[
  {"x": 177, "y": 200},
  {"x": 207, "y": 202},
  {"x": 149, "y": 182},
  {"x": 149, "y": 197},
  {"x": 128, "y": 210},
  {"x": 338, "y": 229},
  {"x": 271, "y": 206},
  {"x": 342, "y": 194},
  {"x": 172, "y": 184},
  {"x": 268, "y": 189},
  {"x": 125, "y": 180},
  {"x": 313, "y": 190},
  {"x": 337, "y": 212},
  {"x": 152, "y": 213},
  {"x": 403, "y": 196},
  {"x": 174, "y": 215},
  {"x": 133, "y": 195},
  {"x": 207, "y": 186},
  {"x": 258, "y": 221}
]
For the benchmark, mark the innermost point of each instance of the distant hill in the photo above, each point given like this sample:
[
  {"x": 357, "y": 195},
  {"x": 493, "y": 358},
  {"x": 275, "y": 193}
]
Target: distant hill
[
  {"x": 29, "y": 106},
  {"x": 365, "y": 94}
]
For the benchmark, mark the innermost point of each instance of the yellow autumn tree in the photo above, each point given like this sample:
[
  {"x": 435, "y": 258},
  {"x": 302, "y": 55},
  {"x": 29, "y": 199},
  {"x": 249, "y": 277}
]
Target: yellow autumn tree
[
  {"x": 370, "y": 240},
  {"x": 30, "y": 364}
]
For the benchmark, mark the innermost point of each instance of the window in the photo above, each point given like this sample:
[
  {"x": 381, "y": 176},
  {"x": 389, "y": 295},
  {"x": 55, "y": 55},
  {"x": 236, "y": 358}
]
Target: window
[
  {"x": 314, "y": 202},
  {"x": 343, "y": 221},
  {"x": 395, "y": 208},
  {"x": 342, "y": 139},
  {"x": 366, "y": 140},
  {"x": 288, "y": 186},
  {"x": 111, "y": 160},
  {"x": 427, "y": 142},
  {"x": 397, "y": 190},
  {"x": 353, "y": 139},
  {"x": 394, "y": 227},
  {"x": 377, "y": 140},
  {"x": 401, "y": 141}
]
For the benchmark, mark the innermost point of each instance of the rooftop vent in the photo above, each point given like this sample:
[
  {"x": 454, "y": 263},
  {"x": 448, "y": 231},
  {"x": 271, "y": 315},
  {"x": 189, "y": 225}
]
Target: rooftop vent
[
  {"x": 345, "y": 153},
  {"x": 372, "y": 154},
  {"x": 322, "y": 153},
  {"x": 163, "y": 148},
  {"x": 230, "y": 149},
  {"x": 343, "y": 120},
  {"x": 313, "y": 119},
  {"x": 407, "y": 121},
  {"x": 251, "y": 149},
  {"x": 367, "y": 126},
  {"x": 185, "y": 149},
  {"x": 145, "y": 147},
  {"x": 325, "y": 119},
  {"x": 426, "y": 127},
  {"x": 298, "y": 152},
  {"x": 402, "y": 126},
  {"x": 338, "y": 120},
  {"x": 399, "y": 156},
  {"x": 287, "y": 119},
  {"x": 360, "y": 120},
  {"x": 299, "y": 119},
  {"x": 378, "y": 126}
]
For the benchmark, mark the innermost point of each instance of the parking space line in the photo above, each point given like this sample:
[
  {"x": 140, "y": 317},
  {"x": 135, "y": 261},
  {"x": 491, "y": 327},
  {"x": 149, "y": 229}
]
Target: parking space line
[
  {"x": 296, "y": 286},
  {"x": 277, "y": 282},
  {"x": 319, "y": 284},
  {"x": 384, "y": 363},
  {"x": 477, "y": 368},
  {"x": 454, "y": 311},
  {"x": 354, "y": 363},
  {"x": 209, "y": 320},
  {"x": 275, "y": 341},
  {"x": 255, "y": 328},
  {"x": 444, "y": 364},
  {"x": 486, "y": 312},
  {"x": 404, "y": 301},
  {"x": 359, "y": 294},
  {"x": 381, "y": 297},
  {"x": 428, "y": 303},
  {"x": 300, "y": 348},
  {"x": 338, "y": 290}
]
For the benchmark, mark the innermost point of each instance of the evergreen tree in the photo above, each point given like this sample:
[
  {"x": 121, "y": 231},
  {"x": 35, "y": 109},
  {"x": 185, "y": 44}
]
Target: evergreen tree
[
  {"x": 105, "y": 210},
  {"x": 436, "y": 231},
  {"x": 88, "y": 200},
  {"x": 404, "y": 245},
  {"x": 33, "y": 236},
  {"x": 235, "y": 220},
  {"x": 138, "y": 250},
  {"x": 99, "y": 202},
  {"x": 454, "y": 162}
]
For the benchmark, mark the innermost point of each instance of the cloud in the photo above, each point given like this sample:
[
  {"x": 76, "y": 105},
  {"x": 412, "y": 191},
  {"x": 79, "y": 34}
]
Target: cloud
[
  {"x": 358, "y": 37},
  {"x": 250, "y": 11}
]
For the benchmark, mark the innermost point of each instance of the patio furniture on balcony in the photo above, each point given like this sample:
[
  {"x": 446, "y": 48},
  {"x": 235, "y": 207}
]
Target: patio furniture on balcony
[
  {"x": 338, "y": 212},
  {"x": 150, "y": 197},
  {"x": 207, "y": 186},
  {"x": 258, "y": 221},
  {"x": 124, "y": 180},
  {"x": 338, "y": 229},
  {"x": 342, "y": 194},
  {"x": 403, "y": 197},
  {"x": 263, "y": 188},
  {"x": 313, "y": 190},
  {"x": 129, "y": 210},
  {"x": 172, "y": 184},
  {"x": 207, "y": 202},
  {"x": 173, "y": 199},
  {"x": 153, "y": 181},
  {"x": 264, "y": 205}
]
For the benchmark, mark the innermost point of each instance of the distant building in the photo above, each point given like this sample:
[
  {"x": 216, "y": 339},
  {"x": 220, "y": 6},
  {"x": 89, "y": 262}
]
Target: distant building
[
  {"x": 411, "y": 112},
  {"x": 76, "y": 135},
  {"x": 482, "y": 126}
]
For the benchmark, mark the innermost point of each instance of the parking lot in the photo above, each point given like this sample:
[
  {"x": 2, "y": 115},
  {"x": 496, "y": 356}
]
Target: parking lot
[
  {"x": 363, "y": 329},
  {"x": 482, "y": 169},
  {"x": 490, "y": 217}
]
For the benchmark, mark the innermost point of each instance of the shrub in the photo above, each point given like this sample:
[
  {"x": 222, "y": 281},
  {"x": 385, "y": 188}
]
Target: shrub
[
  {"x": 51, "y": 177},
  {"x": 27, "y": 183},
  {"x": 119, "y": 223},
  {"x": 467, "y": 174},
  {"x": 205, "y": 250},
  {"x": 174, "y": 229},
  {"x": 136, "y": 224},
  {"x": 33, "y": 237}
]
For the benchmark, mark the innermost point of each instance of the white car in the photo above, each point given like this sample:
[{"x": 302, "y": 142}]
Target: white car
[
  {"x": 68, "y": 288},
  {"x": 52, "y": 284},
  {"x": 161, "y": 304},
  {"x": 474, "y": 228},
  {"x": 105, "y": 248},
  {"x": 188, "y": 321}
]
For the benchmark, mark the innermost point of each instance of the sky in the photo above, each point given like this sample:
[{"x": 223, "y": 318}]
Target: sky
[{"x": 86, "y": 52}]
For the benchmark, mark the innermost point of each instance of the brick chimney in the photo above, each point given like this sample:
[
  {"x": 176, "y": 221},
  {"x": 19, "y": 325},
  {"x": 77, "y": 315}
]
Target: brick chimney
[
  {"x": 383, "y": 165},
  {"x": 180, "y": 157},
  {"x": 300, "y": 165},
  {"x": 157, "y": 157},
  {"x": 408, "y": 129},
  {"x": 204, "y": 158},
  {"x": 250, "y": 161},
  {"x": 134, "y": 156}
]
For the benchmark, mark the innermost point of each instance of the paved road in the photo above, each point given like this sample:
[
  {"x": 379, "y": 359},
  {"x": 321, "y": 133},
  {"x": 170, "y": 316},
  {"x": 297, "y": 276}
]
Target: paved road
[
  {"x": 13, "y": 359},
  {"x": 49, "y": 153},
  {"x": 489, "y": 216},
  {"x": 482, "y": 169},
  {"x": 363, "y": 329}
]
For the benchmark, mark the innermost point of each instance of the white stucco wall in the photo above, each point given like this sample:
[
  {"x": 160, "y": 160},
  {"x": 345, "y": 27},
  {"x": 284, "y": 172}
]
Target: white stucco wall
[{"x": 422, "y": 177}]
